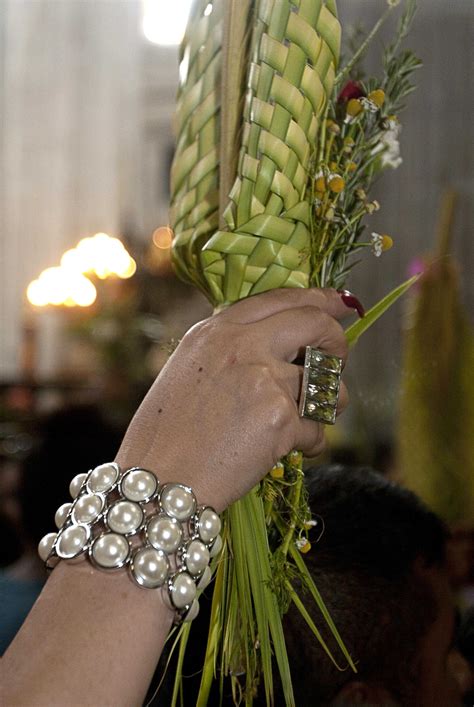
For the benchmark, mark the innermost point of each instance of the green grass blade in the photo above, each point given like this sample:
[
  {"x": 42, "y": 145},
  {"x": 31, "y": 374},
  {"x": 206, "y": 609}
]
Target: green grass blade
[
  {"x": 213, "y": 638},
  {"x": 250, "y": 548},
  {"x": 306, "y": 576},
  {"x": 261, "y": 570},
  {"x": 355, "y": 331},
  {"x": 304, "y": 613},
  {"x": 179, "y": 667}
]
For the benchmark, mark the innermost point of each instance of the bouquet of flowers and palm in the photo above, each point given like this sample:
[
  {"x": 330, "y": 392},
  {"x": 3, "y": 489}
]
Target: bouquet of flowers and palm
[{"x": 277, "y": 150}]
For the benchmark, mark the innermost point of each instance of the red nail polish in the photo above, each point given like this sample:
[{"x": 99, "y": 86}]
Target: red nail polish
[{"x": 351, "y": 301}]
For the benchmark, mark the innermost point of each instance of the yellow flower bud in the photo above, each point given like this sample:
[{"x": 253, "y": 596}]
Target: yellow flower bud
[
  {"x": 320, "y": 184},
  {"x": 332, "y": 127},
  {"x": 337, "y": 184},
  {"x": 305, "y": 548},
  {"x": 387, "y": 242},
  {"x": 354, "y": 107},
  {"x": 333, "y": 166},
  {"x": 329, "y": 215},
  {"x": 377, "y": 97},
  {"x": 349, "y": 141},
  {"x": 278, "y": 471},
  {"x": 351, "y": 166}
]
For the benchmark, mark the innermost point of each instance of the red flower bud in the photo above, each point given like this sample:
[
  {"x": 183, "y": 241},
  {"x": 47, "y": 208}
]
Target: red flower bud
[{"x": 352, "y": 89}]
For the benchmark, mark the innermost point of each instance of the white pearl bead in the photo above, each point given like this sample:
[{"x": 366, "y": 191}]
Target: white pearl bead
[
  {"x": 164, "y": 533},
  {"x": 76, "y": 484},
  {"x": 45, "y": 545},
  {"x": 178, "y": 501},
  {"x": 197, "y": 557},
  {"x": 217, "y": 547},
  {"x": 110, "y": 550},
  {"x": 183, "y": 590},
  {"x": 87, "y": 508},
  {"x": 103, "y": 478},
  {"x": 193, "y": 612},
  {"x": 61, "y": 514},
  {"x": 72, "y": 541},
  {"x": 209, "y": 525},
  {"x": 139, "y": 485},
  {"x": 205, "y": 579},
  {"x": 125, "y": 517},
  {"x": 150, "y": 567}
]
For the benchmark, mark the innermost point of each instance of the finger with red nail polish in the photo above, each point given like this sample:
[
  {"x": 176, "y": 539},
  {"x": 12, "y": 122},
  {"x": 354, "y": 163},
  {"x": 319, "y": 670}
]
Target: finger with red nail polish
[{"x": 351, "y": 301}]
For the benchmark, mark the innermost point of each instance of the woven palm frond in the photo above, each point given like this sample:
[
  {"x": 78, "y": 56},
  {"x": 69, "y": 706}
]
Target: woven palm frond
[
  {"x": 195, "y": 171},
  {"x": 263, "y": 241}
]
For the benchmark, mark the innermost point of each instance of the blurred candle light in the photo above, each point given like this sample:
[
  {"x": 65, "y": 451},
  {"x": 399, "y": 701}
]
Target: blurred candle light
[
  {"x": 36, "y": 294},
  {"x": 163, "y": 237},
  {"x": 164, "y": 22},
  {"x": 67, "y": 285},
  {"x": 101, "y": 255},
  {"x": 60, "y": 286}
]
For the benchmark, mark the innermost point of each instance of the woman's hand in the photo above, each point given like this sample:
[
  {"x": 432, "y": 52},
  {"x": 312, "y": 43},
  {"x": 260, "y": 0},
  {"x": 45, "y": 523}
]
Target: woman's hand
[
  {"x": 222, "y": 411},
  {"x": 225, "y": 407}
]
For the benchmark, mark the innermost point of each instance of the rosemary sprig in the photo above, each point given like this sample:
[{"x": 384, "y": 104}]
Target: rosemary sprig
[{"x": 359, "y": 139}]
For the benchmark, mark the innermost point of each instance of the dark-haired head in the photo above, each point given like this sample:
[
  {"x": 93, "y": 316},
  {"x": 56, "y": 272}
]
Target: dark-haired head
[{"x": 379, "y": 566}]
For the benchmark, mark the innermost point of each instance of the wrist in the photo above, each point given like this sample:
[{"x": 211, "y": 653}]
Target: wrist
[{"x": 177, "y": 468}]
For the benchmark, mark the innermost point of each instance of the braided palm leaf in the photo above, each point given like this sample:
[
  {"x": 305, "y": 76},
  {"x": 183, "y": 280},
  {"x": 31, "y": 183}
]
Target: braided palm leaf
[
  {"x": 257, "y": 75},
  {"x": 195, "y": 171},
  {"x": 256, "y": 237}
]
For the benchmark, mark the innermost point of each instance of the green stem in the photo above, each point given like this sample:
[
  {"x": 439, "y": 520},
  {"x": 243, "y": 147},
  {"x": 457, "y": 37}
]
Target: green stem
[{"x": 293, "y": 502}]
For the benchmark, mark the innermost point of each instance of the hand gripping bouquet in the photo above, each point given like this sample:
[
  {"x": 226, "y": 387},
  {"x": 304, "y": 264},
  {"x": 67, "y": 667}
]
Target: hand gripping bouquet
[{"x": 275, "y": 154}]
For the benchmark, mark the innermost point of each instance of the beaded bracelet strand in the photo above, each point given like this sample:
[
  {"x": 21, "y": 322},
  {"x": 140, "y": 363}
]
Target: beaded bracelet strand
[{"x": 129, "y": 520}]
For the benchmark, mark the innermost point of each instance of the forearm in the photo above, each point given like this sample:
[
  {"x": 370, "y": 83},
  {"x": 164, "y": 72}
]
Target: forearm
[{"x": 92, "y": 638}]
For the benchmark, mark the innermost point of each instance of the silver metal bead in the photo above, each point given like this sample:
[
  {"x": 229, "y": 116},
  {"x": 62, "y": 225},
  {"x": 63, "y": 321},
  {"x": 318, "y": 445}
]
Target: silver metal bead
[
  {"x": 193, "y": 612},
  {"x": 182, "y": 589},
  {"x": 178, "y": 501},
  {"x": 150, "y": 567},
  {"x": 110, "y": 551},
  {"x": 72, "y": 541},
  {"x": 88, "y": 508},
  {"x": 45, "y": 545},
  {"x": 61, "y": 514},
  {"x": 208, "y": 524},
  {"x": 76, "y": 485},
  {"x": 139, "y": 485},
  {"x": 125, "y": 517},
  {"x": 164, "y": 533},
  {"x": 103, "y": 478},
  {"x": 196, "y": 557}
]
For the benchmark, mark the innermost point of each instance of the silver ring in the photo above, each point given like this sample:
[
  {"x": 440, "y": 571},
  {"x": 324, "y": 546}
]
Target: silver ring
[{"x": 320, "y": 386}]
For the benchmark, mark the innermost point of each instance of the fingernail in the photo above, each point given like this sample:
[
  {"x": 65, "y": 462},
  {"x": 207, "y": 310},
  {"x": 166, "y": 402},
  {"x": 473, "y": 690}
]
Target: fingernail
[{"x": 351, "y": 301}]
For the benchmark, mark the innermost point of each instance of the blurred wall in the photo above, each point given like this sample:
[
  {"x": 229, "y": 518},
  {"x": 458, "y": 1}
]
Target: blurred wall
[
  {"x": 86, "y": 107},
  {"x": 437, "y": 143},
  {"x": 85, "y": 127}
]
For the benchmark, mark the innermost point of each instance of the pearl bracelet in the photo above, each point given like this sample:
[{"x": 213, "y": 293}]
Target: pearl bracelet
[{"x": 128, "y": 519}]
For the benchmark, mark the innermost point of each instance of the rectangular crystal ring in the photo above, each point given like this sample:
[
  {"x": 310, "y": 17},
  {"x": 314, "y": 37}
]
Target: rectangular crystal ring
[{"x": 320, "y": 386}]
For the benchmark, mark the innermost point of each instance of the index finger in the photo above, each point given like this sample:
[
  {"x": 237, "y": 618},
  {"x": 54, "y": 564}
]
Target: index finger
[{"x": 258, "y": 307}]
